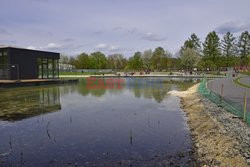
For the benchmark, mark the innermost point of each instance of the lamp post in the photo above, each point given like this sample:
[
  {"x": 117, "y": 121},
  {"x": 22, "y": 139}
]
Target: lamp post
[{"x": 17, "y": 67}]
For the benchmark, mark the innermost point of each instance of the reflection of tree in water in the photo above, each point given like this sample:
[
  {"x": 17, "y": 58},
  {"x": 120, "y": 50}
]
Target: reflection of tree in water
[
  {"x": 83, "y": 90},
  {"x": 155, "y": 93},
  {"x": 158, "y": 94},
  {"x": 67, "y": 89},
  {"x": 115, "y": 91},
  {"x": 149, "y": 92},
  {"x": 183, "y": 84},
  {"x": 17, "y": 104}
]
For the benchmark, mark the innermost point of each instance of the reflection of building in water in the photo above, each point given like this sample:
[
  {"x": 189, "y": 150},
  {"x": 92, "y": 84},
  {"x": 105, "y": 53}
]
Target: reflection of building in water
[
  {"x": 49, "y": 98},
  {"x": 25, "y": 103}
]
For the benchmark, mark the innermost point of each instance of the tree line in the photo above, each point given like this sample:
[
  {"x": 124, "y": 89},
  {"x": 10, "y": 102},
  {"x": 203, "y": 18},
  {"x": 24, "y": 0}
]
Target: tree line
[
  {"x": 159, "y": 59},
  {"x": 214, "y": 53}
]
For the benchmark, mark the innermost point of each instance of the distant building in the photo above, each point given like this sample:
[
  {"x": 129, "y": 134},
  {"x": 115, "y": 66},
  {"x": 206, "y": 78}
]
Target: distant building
[
  {"x": 66, "y": 67},
  {"x": 19, "y": 63},
  {"x": 242, "y": 68}
]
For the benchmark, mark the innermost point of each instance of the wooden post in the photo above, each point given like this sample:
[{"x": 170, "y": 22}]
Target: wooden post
[
  {"x": 221, "y": 94},
  {"x": 245, "y": 105},
  {"x": 222, "y": 90},
  {"x": 211, "y": 87}
]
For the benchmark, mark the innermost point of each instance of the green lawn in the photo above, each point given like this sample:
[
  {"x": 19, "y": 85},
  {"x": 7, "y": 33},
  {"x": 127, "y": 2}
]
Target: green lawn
[
  {"x": 81, "y": 73},
  {"x": 246, "y": 73},
  {"x": 237, "y": 81}
]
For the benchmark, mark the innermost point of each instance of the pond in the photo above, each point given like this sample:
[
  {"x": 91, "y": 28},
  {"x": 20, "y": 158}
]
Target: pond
[{"x": 71, "y": 125}]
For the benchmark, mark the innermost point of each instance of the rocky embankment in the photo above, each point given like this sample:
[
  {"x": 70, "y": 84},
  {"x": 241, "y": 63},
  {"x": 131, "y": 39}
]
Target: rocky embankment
[{"x": 220, "y": 138}]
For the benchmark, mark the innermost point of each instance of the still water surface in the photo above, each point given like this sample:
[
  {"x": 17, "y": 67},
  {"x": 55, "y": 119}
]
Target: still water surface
[{"x": 69, "y": 125}]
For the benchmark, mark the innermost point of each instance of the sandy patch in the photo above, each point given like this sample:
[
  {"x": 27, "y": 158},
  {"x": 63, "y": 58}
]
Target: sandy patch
[{"x": 186, "y": 93}]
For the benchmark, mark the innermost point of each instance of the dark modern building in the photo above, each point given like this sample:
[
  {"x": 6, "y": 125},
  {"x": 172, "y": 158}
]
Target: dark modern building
[{"x": 19, "y": 63}]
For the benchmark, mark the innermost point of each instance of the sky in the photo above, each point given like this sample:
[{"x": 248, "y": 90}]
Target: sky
[{"x": 116, "y": 26}]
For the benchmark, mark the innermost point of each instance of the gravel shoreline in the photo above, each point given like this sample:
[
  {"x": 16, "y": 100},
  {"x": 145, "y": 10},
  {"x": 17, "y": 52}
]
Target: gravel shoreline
[
  {"x": 219, "y": 138},
  {"x": 232, "y": 125}
]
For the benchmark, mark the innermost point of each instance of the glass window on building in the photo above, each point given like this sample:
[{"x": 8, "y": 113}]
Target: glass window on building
[
  {"x": 4, "y": 65},
  {"x": 1, "y": 65},
  {"x": 40, "y": 68},
  {"x": 50, "y": 68},
  {"x": 56, "y": 68},
  {"x": 47, "y": 68}
]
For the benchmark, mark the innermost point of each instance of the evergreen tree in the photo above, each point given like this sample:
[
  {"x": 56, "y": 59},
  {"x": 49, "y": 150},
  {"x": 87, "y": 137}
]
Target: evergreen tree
[
  {"x": 211, "y": 48},
  {"x": 138, "y": 65},
  {"x": 244, "y": 47},
  {"x": 159, "y": 59},
  {"x": 135, "y": 62},
  {"x": 193, "y": 43},
  {"x": 228, "y": 47}
]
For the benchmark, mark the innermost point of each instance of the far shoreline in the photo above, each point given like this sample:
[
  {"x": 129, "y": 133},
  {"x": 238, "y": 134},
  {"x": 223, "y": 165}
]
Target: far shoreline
[{"x": 141, "y": 76}]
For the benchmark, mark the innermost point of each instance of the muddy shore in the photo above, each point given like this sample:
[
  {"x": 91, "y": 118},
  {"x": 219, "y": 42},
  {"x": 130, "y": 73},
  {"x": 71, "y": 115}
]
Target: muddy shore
[{"x": 219, "y": 138}]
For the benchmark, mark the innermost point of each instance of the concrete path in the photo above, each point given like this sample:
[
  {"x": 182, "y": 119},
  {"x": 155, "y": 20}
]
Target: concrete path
[{"x": 231, "y": 91}]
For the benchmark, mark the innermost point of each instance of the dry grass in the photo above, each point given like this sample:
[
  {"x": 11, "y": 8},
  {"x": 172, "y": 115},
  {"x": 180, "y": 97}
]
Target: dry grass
[{"x": 214, "y": 147}]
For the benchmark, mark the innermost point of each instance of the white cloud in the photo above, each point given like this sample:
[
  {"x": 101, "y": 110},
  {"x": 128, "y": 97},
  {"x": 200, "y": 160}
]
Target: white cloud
[
  {"x": 32, "y": 47},
  {"x": 148, "y": 36},
  {"x": 101, "y": 46},
  {"x": 110, "y": 49},
  {"x": 152, "y": 37},
  {"x": 106, "y": 47},
  {"x": 233, "y": 27},
  {"x": 49, "y": 46},
  {"x": 53, "y": 46}
]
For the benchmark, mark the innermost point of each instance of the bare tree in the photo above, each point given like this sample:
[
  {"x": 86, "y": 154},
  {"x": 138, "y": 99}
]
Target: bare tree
[{"x": 146, "y": 59}]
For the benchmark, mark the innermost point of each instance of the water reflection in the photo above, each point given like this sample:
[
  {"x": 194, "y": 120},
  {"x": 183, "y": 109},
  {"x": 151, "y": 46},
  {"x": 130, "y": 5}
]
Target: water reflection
[
  {"x": 150, "y": 93},
  {"x": 125, "y": 127},
  {"x": 23, "y": 103}
]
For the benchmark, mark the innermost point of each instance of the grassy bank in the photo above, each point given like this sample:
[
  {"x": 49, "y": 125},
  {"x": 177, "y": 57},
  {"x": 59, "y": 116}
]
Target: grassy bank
[
  {"x": 82, "y": 73},
  {"x": 237, "y": 81},
  {"x": 246, "y": 73}
]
